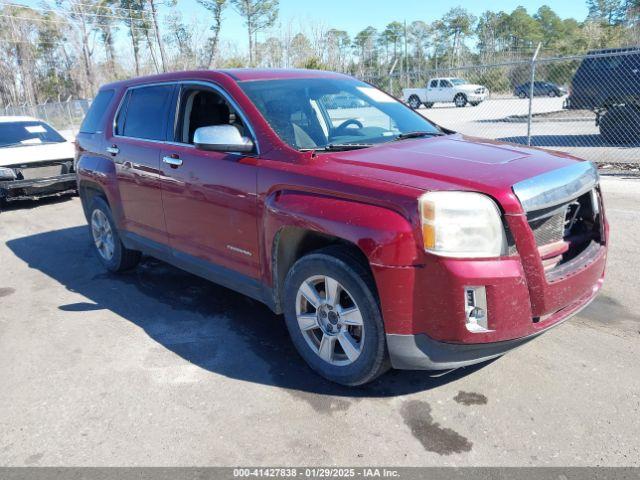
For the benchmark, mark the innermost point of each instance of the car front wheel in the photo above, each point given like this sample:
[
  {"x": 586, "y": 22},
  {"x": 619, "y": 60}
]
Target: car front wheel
[{"x": 333, "y": 317}]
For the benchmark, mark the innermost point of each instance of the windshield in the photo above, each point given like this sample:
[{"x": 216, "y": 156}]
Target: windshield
[
  {"x": 27, "y": 133},
  {"x": 321, "y": 112},
  {"x": 459, "y": 81}
]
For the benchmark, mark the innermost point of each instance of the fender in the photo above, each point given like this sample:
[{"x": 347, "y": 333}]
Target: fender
[{"x": 384, "y": 236}]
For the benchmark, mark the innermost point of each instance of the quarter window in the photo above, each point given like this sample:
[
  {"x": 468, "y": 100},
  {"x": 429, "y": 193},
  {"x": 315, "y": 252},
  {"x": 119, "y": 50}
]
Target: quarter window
[
  {"x": 95, "y": 116},
  {"x": 147, "y": 111}
]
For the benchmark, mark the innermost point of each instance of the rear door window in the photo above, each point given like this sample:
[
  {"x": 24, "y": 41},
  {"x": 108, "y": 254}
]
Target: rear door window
[
  {"x": 146, "y": 112},
  {"x": 434, "y": 84},
  {"x": 94, "y": 119}
]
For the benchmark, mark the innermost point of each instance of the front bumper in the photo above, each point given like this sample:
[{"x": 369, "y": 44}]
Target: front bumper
[
  {"x": 11, "y": 190},
  {"x": 420, "y": 352},
  {"x": 476, "y": 97}
]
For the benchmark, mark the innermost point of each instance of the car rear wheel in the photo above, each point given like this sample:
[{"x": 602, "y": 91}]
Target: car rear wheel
[
  {"x": 106, "y": 241},
  {"x": 474, "y": 104},
  {"x": 428, "y": 105},
  {"x": 414, "y": 102},
  {"x": 460, "y": 100},
  {"x": 333, "y": 317},
  {"x": 522, "y": 95},
  {"x": 552, "y": 93}
]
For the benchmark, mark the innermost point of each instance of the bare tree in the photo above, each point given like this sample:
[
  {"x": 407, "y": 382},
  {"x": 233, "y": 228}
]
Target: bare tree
[
  {"x": 258, "y": 15},
  {"x": 180, "y": 36},
  {"x": 216, "y": 8},
  {"x": 156, "y": 29},
  {"x": 338, "y": 43},
  {"x": 106, "y": 23},
  {"x": 84, "y": 17}
]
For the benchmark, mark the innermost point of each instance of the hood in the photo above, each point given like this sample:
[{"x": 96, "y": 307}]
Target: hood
[
  {"x": 453, "y": 162},
  {"x": 470, "y": 87},
  {"x": 32, "y": 153}
]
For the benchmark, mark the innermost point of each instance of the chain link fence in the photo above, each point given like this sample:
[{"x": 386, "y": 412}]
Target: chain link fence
[
  {"x": 65, "y": 116},
  {"x": 588, "y": 106}
]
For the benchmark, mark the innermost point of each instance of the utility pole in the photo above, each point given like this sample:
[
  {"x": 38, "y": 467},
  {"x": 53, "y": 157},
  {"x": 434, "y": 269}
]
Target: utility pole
[
  {"x": 533, "y": 79},
  {"x": 404, "y": 60}
]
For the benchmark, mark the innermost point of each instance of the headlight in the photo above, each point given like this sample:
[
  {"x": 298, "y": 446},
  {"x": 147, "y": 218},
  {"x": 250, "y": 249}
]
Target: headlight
[
  {"x": 461, "y": 224},
  {"x": 7, "y": 174}
]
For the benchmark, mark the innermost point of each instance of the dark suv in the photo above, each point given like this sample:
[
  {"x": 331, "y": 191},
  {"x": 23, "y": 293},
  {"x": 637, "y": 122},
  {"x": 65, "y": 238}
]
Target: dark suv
[
  {"x": 540, "y": 88},
  {"x": 608, "y": 82},
  {"x": 384, "y": 240}
]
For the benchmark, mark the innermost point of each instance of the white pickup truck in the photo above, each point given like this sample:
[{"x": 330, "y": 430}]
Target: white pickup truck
[{"x": 445, "y": 90}]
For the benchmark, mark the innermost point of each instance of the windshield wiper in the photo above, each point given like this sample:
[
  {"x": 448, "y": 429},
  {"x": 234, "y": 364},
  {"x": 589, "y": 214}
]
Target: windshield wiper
[
  {"x": 337, "y": 147},
  {"x": 418, "y": 134}
]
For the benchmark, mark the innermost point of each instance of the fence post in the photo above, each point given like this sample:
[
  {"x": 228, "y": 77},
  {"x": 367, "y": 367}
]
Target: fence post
[
  {"x": 393, "y": 67},
  {"x": 533, "y": 79},
  {"x": 68, "y": 105},
  {"x": 44, "y": 110}
]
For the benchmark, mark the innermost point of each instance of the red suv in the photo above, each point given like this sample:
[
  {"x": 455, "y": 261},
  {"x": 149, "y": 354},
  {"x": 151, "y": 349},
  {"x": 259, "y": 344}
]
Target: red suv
[{"x": 382, "y": 238}]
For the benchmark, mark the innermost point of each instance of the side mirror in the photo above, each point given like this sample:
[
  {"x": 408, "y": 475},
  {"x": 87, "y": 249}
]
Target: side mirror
[{"x": 221, "y": 138}]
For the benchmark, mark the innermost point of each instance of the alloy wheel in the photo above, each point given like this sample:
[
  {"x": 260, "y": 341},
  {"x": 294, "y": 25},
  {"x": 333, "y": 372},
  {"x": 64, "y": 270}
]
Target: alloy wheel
[
  {"x": 330, "y": 321},
  {"x": 102, "y": 234}
]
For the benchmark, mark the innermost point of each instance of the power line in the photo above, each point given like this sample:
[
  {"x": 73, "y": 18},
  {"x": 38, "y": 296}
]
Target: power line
[
  {"x": 110, "y": 8},
  {"x": 141, "y": 15},
  {"x": 66, "y": 22}
]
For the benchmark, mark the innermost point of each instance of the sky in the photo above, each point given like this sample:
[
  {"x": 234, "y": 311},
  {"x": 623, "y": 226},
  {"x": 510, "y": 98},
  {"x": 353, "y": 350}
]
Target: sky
[{"x": 355, "y": 15}]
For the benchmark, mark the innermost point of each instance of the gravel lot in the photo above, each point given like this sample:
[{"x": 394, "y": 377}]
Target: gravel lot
[{"x": 158, "y": 367}]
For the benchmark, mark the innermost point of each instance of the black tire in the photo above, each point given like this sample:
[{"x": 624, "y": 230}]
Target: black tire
[
  {"x": 474, "y": 104},
  {"x": 428, "y": 105},
  {"x": 347, "y": 269},
  {"x": 460, "y": 100},
  {"x": 552, "y": 93},
  {"x": 621, "y": 126},
  {"x": 414, "y": 102},
  {"x": 522, "y": 94},
  {"x": 122, "y": 259}
]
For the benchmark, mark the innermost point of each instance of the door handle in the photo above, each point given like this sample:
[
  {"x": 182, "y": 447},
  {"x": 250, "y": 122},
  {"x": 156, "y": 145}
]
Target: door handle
[
  {"x": 113, "y": 150},
  {"x": 172, "y": 160}
]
